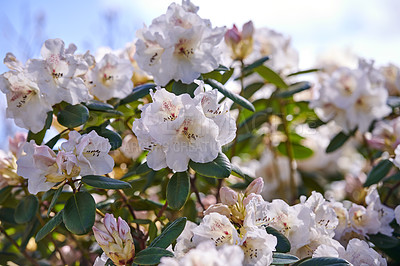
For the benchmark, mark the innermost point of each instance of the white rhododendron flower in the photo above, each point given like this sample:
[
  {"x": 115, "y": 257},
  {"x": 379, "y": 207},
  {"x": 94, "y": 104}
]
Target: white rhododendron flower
[
  {"x": 111, "y": 77},
  {"x": 359, "y": 253},
  {"x": 176, "y": 129},
  {"x": 217, "y": 228},
  {"x": 353, "y": 98},
  {"x": 258, "y": 245},
  {"x": 23, "y": 96},
  {"x": 58, "y": 73},
  {"x": 397, "y": 214},
  {"x": 364, "y": 220},
  {"x": 396, "y": 160},
  {"x": 206, "y": 254},
  {"x": 178, "y": 45},
  {"x": 80, "y": 155}
]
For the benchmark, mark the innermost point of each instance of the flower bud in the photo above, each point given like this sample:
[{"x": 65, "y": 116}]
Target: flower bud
[
  {"x": 228, "y": 196},
  {"x": 232, "y": 36},
  {"x": 248, "y": 30},
  {"x": 219, "y": 208},
  {"x": 255, "y": 187},
  {"x": 252, "y": 196},
  {"x": 116, "y": 241},
  {"x": 240, "y": 43}
]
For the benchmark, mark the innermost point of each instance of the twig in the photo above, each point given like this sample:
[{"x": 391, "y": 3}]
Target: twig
[
  {"x": 23, "y": 252},
  {"x": 218, "y": 189},
  {"x": 196, "y": 191}
]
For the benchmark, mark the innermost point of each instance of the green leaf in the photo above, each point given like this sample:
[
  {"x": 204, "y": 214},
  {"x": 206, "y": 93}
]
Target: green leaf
[
  {"x": 251, "y": 89},
  {"x": 283, "y": 244},
  {"x": 152, "y": 231},
  {"x": 321, "y": 261},
  {"x": 337, "y": 142},
  {"x": 236, "y": 171},
  {"x": 30, "y": 230},
  {"x": 221, "y": 68},
  {"x": 219, "y": 168},
  {"x": 4, "y": 193},
  {"x": 26, "y": 209},
  {"x": 293, "y": 89},
  {"x": 178, "y": 88},
  {"x": 53, "y": 141},
  {"x": 299, "y": 151},
  {"x": 304, "y": 72},
  {"x": 151, "y": 256},
  {"x": 282, "y": 258},
  {"x": 255, "y": 64},
  {"x": 79, "y": 213},
  {"x": 137, "y": 93},
  {"x": 378, "y": 172},
  {"x": 73, "y": 115},
  {"x": 254, "y": 121},
  {"x": 178, "y": 190},
  {"x": 49, "y": 226},
  {"x": 54, "y": 199},
  {"x": 38, "y": 137},
  {"x": 98, "y": 106},
  {"x": 142, "y": 169},
  {"x": 170, "y": 233},
  {"x": 234, "y": 97},
  {"x": 100, "y": 181},
  {"x": 383, "y": 241},
  {"x": 7, "y": 215},
  {"x": 271, "y": 76},
  {"x": 227, "y": 75}
]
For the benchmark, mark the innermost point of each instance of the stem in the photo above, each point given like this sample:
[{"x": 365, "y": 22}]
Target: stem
[
  {"x": 289, "y": 149},
  {"x": 196, "y": 191},
  {"x": 126, "y": 201},
  {"x": 160, "y": 213},
  {"x": 100, "y": 213},
  {"x": 23, "y": 252},
  {"x": 218, "y": 189}
]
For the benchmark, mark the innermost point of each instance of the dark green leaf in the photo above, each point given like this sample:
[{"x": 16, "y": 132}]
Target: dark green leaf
[
  {"x": 54, "y": 199},
  {"x": 255, "y": 64},
  {"x": 152, "y": 231},
  {"x": 38, "y": 137},
  {"x": 378, "y": 172},
  {"x": 98, "y": 106},
  {"x": 219, "y": 168},
  {"x": 73, "y": 116},
  {"x": 304, "y": 72},
  {"x": 53, "y": 141},
  {"x": 293, "y": 89},
  {"x": 170, "y": 233},
  {"x": 234, "y": 97},
  {"x": 299, "y": 151},
  {"x": 4, "y": 193},
  {"x": 137, "y": 93},
  {"x": 49, "y": 226},
  {"x": 236, "y": 171},
  {"x": 178, "y": 88},
  {"x": 227, "y": 75},
  {"x": 337, "y": 142},
  {"x": 30, "y": 229},
  {"x": 254, "y": 121},
  {"x": 383, "y": 241},
  {"x": 104, "y": 182},
  {"x": 251, "y": 89},
  {"x": 283, "y": 244},
  {"x": 282, "y": 258},
  {"x": 321, "y": 261},
  {"x": 79, "y": 213},
  {"x": 271, "y": 76},
  {"x": 7, "y": 215},
  {"x": 142, "y": 169},
  {"x": 151, "y": 256},
  {"x": 221, "y": 68},
  {"x": 26, "y": 209},
  {"x": 178, "y": 190}
]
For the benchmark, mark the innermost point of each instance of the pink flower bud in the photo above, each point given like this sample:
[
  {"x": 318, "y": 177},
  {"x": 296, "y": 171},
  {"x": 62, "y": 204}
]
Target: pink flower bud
[
  {"x": 232, "y": 36},
  {"x": 228, "y": 196},
  {"x": 123, "y": 229},
  {"x": 110, "y": 223},
  {"x": 248, "y": 30},
  {"x": 255, "y": 187},
  {"x": 219, "y": 208},
  {"x": 102, "y": 238}
]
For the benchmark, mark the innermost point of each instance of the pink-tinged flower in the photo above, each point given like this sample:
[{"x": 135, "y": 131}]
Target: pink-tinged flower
[
  {"x": 16, "y": 144},
  {"x": 256, "y": 186},
  {"x": 116, "y": 241},
  {"x": 228, "y": 196},
  {"x": 240, "y": 43},
  {"x": 218, "y": 208}
]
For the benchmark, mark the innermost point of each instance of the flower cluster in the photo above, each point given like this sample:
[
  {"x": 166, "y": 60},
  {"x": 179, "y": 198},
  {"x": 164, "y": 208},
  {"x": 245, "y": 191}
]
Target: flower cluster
[
  {"x": 8, "y": 165},
  {"x": 81, "y": 155},
  {"x": 353, "y": 98},
  {"x": 176, "y": 129},
  {"x": 178, "y": 45}
]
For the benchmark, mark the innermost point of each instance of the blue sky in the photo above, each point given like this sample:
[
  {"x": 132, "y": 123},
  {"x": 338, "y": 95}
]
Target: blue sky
[{"x": 369, "y": 28}]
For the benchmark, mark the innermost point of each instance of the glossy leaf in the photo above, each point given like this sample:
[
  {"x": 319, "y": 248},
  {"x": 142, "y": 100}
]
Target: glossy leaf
[
  {"x": 384, "y": 241},
  {"x": 73, "y": 116},
  {"x": 283, "y": 244},
  {"x": 151, "y": 256},
  {"x": 79, "y": 213},
  {"x": 251, "y": 89},
  {"x": 282, "y": 258},
  {"x": 219, "y": 168},
  {"x": 304, "y": 72},
  {"x": 293, "y": 89},
  {"x": 338, "y": 141},
  {"x": 178, "y": 88},
  {"x": 255, "y": 64},
  {"x": 321, "y": 261},
  {"x": 49, "y": 226},
  {"x": 178, "y": 190},
  {"x": 271, "y": 76},
  {"x": 98, "y": 106},
  {"x": 378, "y": 172},
  {"x": 299, "y": 151},
  {"x": 5, "y": 193},
  {"x": 170, "y": 233},
  {"x": 54, "y": 199},
  {"x": 234, "y": 97},
  {"x": 26, "y": 209},
  {"x": 104, "y": 182},
  {"x": 137, "y": 93}
]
